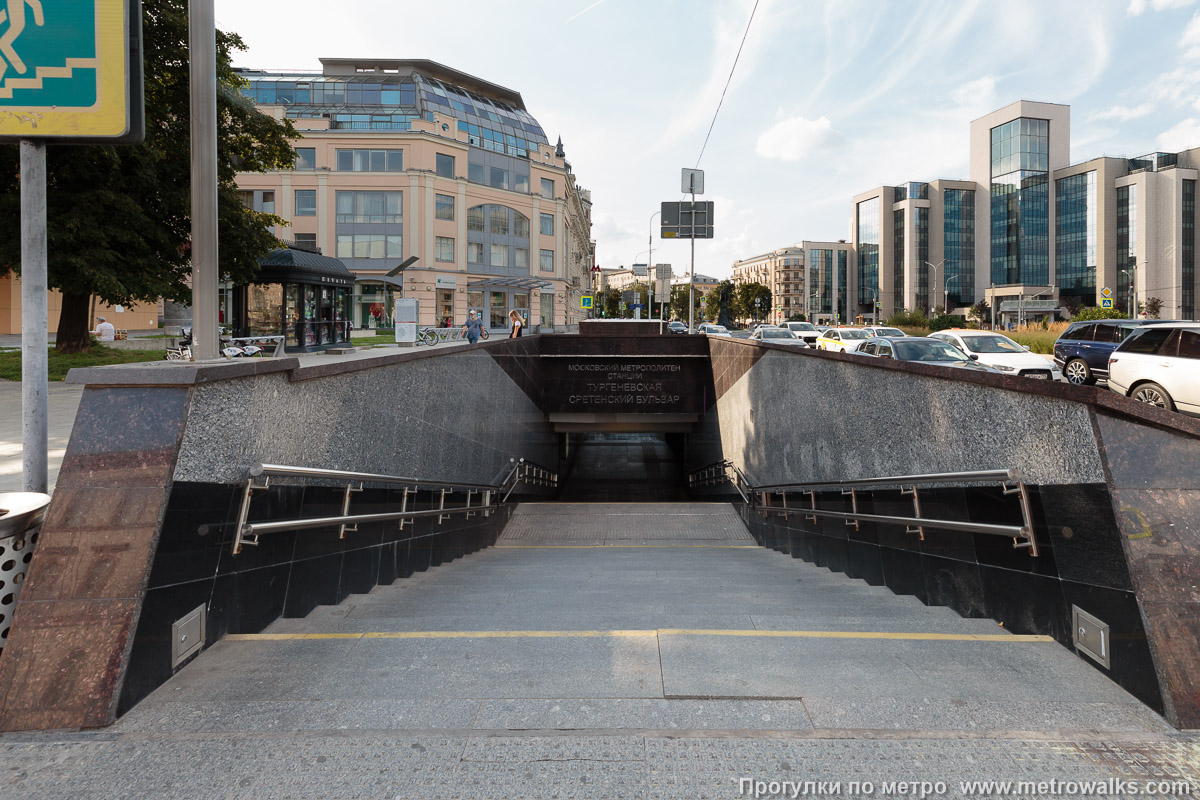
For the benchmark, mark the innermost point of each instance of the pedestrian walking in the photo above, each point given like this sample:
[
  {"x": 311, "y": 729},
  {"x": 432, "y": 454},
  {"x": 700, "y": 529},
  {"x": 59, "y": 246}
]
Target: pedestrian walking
[
  {"x": 473, "y": 329},
  {"x": 517, "y": 324}
]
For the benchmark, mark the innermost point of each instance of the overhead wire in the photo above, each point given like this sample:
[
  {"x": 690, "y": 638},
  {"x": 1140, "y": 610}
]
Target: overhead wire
[{"x": 728, "y": 81}]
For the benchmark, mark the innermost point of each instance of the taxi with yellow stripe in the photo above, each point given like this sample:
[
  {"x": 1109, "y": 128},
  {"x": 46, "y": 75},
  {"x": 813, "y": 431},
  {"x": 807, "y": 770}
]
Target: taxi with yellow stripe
[{"x": 842, "y": 340}]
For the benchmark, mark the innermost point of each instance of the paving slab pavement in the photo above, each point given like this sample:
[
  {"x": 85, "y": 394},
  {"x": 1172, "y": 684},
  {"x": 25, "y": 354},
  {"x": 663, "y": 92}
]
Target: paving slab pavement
[{"x": 63, "y": 403}]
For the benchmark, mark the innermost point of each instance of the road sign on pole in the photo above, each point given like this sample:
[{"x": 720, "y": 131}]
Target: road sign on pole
[
  {"x": 693, "y": 181},
  {"x": 71, "y": 70},
  {"x": 1106, "y": 302},
  {"x": 585, "y": 301},
  {"x": 687, "y": 220}
]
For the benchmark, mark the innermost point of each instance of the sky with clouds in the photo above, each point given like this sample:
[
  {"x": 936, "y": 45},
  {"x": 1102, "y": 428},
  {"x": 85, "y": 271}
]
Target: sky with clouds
[{"x": 830, "y": 98}]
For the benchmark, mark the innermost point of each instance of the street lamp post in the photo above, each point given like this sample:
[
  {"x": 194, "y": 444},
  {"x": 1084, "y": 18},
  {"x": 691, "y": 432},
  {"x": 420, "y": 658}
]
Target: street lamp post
[
  {"x": 874, "y": 306},
  {"x": 946, "y": 293},
  {"x": 930, "y": 295},
  {"x": 650, "y": 263}
]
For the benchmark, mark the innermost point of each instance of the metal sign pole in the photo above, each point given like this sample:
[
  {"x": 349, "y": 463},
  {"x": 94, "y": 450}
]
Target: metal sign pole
[
  {"x": 35, "y": 430},
  {"x": 692, "y": 284},
  {"x": 202, "y": 47}
]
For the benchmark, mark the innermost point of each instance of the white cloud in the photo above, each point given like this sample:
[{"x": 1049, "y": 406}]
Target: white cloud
[
  {"x": 796, "y": 137},
  {"x": 1183, "y": 136},
  {"x": 976, "y": 93},
  {"x": 1190, "y": 41},
  {"x": 1136, "y": 7},
  {"x": 1123, "y": 113}
]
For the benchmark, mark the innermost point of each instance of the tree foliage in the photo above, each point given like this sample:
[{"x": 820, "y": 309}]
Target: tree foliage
[
  {"x": 1152, "y": 307},
  {"x": 1092, "y": 312},
  {"x": 119, "y": 218},
  {"x": 610, "y": 303},
  {"x": 752, "y": 300}
]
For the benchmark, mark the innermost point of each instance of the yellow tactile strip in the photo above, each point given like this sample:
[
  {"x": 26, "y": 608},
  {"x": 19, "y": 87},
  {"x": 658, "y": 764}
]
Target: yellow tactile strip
[{"x": 902, "y": 636}]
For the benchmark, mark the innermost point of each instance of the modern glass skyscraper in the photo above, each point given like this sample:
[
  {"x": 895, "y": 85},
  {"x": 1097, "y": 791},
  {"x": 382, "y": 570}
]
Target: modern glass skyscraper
[
  {"x": 898, "y": 256},
  {"x": 1126, "y": 242},
  {"x": 1020, "y": 189},
  {"x": 1075, "y": 236}
]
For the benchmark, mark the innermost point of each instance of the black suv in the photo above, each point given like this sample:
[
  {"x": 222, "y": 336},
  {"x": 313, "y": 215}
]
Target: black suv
[{"x": 1082, "y": 351}]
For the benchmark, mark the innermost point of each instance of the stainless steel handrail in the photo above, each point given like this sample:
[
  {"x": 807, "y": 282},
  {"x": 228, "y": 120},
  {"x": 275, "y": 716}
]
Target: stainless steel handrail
[
  {"x": 258, "y": 528},
  {"x": 247, "y": 533},
  {"x": 1009, "y": 479},
  {"x": 259, "y": 469},
  {"x": 935, "y": 477}
]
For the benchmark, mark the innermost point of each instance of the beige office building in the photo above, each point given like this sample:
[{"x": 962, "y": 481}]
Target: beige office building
[{"x": 429, "y": 181}]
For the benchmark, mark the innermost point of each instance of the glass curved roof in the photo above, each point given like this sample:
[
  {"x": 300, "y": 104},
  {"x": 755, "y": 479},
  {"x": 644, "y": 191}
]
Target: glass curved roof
[{"x": 390, "y": 102}]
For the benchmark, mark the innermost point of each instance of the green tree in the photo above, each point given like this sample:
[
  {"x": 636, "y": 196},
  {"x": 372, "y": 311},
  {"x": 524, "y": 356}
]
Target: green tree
[
  {"x": 679, "y": 302},
  {"x": 753, "y": 301},
  {"x": 119, "y": 218},
  {"x": 1152, "y": 307},
  {"x": 611, "y": 303},
  {"x": 980, "y": 311}
]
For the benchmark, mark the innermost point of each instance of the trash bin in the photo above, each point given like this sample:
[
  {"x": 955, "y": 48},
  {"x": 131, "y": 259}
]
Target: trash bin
[{"x": 21, "y": 515}]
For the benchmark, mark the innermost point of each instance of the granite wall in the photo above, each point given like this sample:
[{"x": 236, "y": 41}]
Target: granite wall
[
  {"x": 1115, "y": 496},
  {"x": 159, "y": 449}
]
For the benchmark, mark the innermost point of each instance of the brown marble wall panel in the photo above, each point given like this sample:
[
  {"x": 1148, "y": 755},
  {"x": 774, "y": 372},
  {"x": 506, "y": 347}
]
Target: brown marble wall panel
[
  {"x": 64, "y": 661},
  {"x": 1154, "y": 476},
  {"x": 730, "y": 361}
]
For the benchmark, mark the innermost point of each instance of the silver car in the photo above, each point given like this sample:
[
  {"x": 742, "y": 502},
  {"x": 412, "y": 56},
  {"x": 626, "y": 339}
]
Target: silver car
[
  {"x": 1160, "y": 365},
  {"x": 777, "y": 336}
]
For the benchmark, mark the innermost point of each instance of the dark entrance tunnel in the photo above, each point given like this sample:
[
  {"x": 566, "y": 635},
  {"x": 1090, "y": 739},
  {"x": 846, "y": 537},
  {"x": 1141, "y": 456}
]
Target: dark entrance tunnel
[{"x": 624, "y": 468}]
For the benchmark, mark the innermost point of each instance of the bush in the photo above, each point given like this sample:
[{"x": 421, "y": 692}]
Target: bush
[
  {"x": 907, "y": 319},
  {"x": 943, "y": 321},
  {"x": 1092, "y": 312}
]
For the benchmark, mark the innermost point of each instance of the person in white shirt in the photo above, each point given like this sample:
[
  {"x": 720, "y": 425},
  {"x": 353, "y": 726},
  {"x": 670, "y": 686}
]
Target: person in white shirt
[{"x": 105, "y": 332}]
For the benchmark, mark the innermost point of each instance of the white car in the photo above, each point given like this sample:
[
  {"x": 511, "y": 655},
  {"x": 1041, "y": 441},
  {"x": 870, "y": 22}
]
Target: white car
[
  {"x": 804, "y": 330},
  {"x": 777, "y": 336},
  {"x": 1001, "y": 352},
  {"x": 713, "y": 330},
  {"x": 1160, "y": 365},
  {"x": 842, "y": 340},
  {"x": 880, "y": 330}
]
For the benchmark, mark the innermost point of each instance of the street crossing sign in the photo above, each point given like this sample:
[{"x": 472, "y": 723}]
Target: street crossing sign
[
  {"x": 585, "y": 301},
  {"x": 1106, "y": 302},
  {"x": 71, "y": 70}
]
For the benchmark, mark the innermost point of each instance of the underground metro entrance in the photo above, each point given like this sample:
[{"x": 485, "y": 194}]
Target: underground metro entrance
[{"x": 623, "y": 468}]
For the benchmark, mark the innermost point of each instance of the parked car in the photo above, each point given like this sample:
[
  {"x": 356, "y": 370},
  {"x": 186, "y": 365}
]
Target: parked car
[
  {"x": 920, "y": 349},
  {"x": 777, "y": 336},
  {"x": 804, "y": 330},
  {"x": 715, "y": 330},
  {"x": 1001, "y": 352},
  {"x": 841, "y": 340},
  {"x": 877, "y": 330},
  {"x": 1082, "y": 351},
  {"x": 675, "y": 326},
  {"x": 1160, "y": 365}
]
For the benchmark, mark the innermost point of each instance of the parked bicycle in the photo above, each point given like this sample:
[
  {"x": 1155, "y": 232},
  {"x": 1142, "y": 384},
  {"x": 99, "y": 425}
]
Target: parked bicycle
[
  {"x": 432, "y": 336},
  {"x": 184, "y": 351}
]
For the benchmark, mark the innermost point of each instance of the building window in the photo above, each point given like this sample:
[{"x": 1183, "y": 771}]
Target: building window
[
  {"x": 369, "y": 245},
  {"x": 370, "y": 207},
  {"x": 268, "y": 202},
  {"x": 1126, "y": 242},
  {"x": 520, "y": 225},
  {"x": 445, "y": 166},
  {"x": 370, "y": 160},
  {"x": 1020, "y": 190},
  {"x": 498, "y": 178},
  {"x": 475, "y": 218},
  {"x": 522, "y": 183},
  {"x": 958, "y": 231},
  {"x": 306, "y": 158},
  {"x": 898, "y": 259},
  {"x": 444, "y": 207},
  {"x": 547, "y": 224},
  {"x": 521, "y": 257},
  {"x": 445, "y": 248},
  {"x": 548, "y": 188},
  {"x": 498, "y": 221},
  {"x": 474, "y": 252},
  {"x": 1075, "y": 237},
  {"x": 867, "y": 245},
  {"x": 306, "y": 202},
  {"x": 1188, "y": 251},
  {"x": 548, "y": 260},
  {"x": 308, "y": 240},
  {"x": 499, "y": 255}
]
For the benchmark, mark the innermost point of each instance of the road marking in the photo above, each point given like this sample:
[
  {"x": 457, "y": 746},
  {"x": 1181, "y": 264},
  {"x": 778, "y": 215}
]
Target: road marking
[
  {"x": 613, "y": 546},
  {"x": 884, "y": 635}
]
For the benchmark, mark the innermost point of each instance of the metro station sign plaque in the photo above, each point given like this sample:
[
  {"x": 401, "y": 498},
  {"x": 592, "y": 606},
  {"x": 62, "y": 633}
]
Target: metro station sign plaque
[{"x": 71, "y": 70}]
